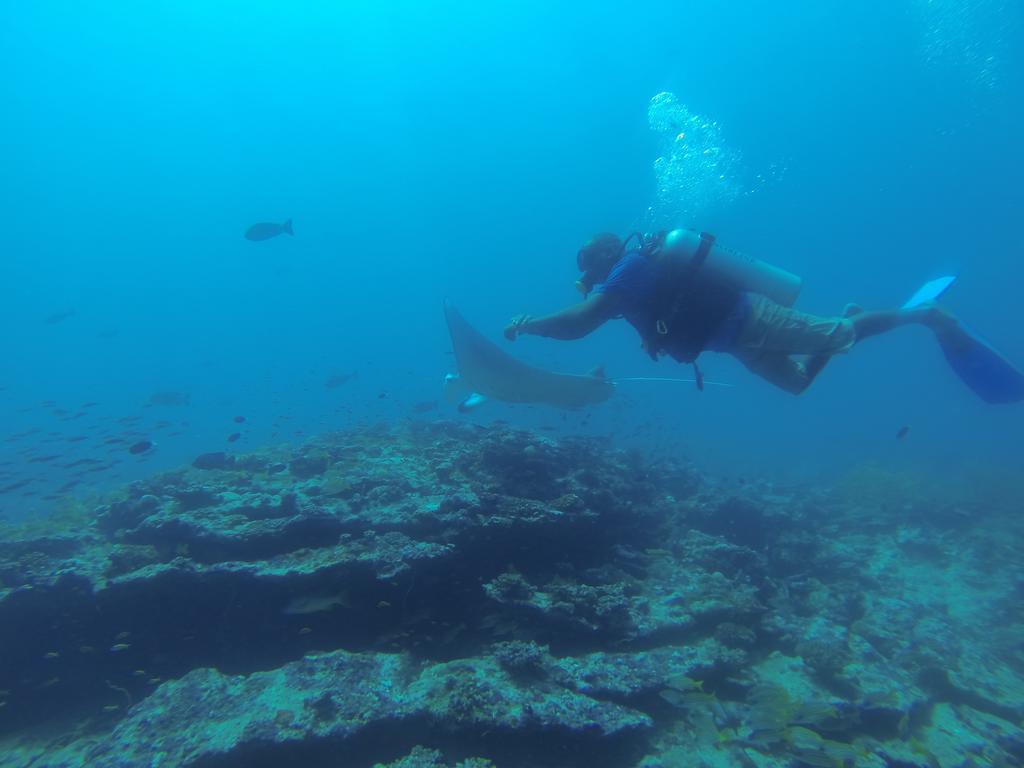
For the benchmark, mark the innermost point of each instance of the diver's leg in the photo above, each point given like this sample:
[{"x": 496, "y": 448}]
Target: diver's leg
[
  {"x": 868, "y": 324},
  {"x": 777, "y": 368},
  {"x": 815, "y": 364}
]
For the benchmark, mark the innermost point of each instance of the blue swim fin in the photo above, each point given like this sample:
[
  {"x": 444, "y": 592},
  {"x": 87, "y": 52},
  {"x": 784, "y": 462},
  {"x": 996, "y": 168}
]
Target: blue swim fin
[
  {"x": 930, "y": 291},
  {"x": 992, "y": 377}
]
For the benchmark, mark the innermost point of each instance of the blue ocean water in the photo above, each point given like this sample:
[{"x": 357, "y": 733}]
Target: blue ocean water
[{"x": 465, "y": 151}]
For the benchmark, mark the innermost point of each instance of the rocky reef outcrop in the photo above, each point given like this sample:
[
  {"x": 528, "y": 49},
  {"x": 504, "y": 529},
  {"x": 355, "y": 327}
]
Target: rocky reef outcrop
[{"x": 449, "y": 595}]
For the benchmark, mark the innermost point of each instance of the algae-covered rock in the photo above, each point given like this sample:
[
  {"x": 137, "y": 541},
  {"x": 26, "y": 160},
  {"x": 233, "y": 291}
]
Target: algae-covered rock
[
  {"x": 421, "y": 757},
  {"x": 333, "y": 697},
  {"x": 960, "y": 737},
  {"x": 308, "y": 466},
  {"x": 450, "y": 594}
]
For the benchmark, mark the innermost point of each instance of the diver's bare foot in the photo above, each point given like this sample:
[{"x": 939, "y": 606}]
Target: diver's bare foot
[
  {"x": 935, "y": 316},
  {"x": 850, "y": 310}
]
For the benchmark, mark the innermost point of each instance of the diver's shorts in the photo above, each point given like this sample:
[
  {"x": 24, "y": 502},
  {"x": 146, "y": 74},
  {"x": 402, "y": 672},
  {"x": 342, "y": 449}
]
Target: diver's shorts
[
  {"x": 773, "y": 332},
  {"x": 772, "y": 328}
]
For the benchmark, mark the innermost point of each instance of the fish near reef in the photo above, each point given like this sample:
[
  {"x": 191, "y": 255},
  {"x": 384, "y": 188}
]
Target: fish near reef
[
  {"x": 266, "y": 230},
  {"x": 338, "y": 379},
  {"x": 170, "y": 398},
  {"x": 307, "y": 604},
  {"x": 59, "y": 317}
]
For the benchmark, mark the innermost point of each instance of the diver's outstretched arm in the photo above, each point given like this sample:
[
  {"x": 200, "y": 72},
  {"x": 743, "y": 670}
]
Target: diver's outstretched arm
[{"x": 573, "y": 322}]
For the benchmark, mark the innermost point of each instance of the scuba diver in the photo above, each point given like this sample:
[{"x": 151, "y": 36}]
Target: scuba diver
[{"x": 685, "y": 294}]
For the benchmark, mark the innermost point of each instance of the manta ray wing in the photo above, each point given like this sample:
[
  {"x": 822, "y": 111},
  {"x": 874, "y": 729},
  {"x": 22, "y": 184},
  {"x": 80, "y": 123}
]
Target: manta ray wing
[{"x": 488, "y": 370}]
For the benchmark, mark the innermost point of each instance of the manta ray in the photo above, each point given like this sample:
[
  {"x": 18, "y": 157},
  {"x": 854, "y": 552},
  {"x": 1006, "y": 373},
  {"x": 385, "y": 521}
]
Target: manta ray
[{"x": 486, "y": 371}]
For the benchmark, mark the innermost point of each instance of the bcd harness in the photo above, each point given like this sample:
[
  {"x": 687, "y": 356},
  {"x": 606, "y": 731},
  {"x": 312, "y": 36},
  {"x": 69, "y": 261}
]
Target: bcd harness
[{"x": 689, "y": 304}]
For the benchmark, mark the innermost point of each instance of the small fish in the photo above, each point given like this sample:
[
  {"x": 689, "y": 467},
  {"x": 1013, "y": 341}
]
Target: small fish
[
  {"x": 58, "y": 317},
  {"x": 691, "y": 698},
  {"x": 234, "y": 436},
  {"x": 80, "y": 462},
  {"x": 140, "y": 447},
  {"x": 683, "y": 683},
  {"x": 673, "y": 697},
  {"x": 903, "y": 726},
  {"x": 302, "y": 606},
  {"x": 239, "y": 419},
  {"x": 118, "y": 647},
  {"x": 111, "y": 707},
  {"x": 167, "y": 398},
  {"x": 51, "y": 655},
  {"x": 123, "y": 635},
  {"x": 266, "y": 230},
  {"x": 338, "y": 379},
  {"x": 902, "y": 432},
  {"x": 100, "y": 468},
  {"x": 383, "y": 604},
  {"x": 139, "y": 673},
  {"x": 425, "y": 406},
  {"x": 15, "y": 486},
  {"x": 817, "y": 758},
  {"x": 305, "y": 631},
  {"x": 803, "y": 738}
]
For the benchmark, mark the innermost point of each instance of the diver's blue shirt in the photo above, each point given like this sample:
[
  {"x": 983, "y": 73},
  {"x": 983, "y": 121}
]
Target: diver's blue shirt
[{"x": 633, "y": 281}]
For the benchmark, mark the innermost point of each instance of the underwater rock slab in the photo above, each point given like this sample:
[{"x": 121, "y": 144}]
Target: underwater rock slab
[
  {"x": 959, "y": 737},
  {"x": 421, "y": 757},
  {"x": 416, "y": 596},
  {"x": 633, "y": 674},
  {"x": 985, "y": 677},
  {"x": 333, "y": 697},
  {"x": 673, "y": 596}
]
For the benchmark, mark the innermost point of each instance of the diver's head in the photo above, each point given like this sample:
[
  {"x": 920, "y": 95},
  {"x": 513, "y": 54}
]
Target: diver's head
[{"x": 596, "y": 259}]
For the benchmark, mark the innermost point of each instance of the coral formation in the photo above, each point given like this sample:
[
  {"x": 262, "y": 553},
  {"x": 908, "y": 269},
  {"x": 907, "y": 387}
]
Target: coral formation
[{"x": 449, "y": 595}]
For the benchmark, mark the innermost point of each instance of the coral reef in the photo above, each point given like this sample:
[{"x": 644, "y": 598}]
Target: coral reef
[{"x": 449, "y": 595}]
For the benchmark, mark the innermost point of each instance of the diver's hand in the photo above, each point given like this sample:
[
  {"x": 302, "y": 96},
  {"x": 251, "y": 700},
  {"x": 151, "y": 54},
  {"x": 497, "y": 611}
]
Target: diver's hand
[{"x": 515, "y": 328}]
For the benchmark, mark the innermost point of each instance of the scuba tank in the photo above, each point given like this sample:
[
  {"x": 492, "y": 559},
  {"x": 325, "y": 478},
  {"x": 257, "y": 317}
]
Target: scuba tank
[{"x": 743, "y": 272}]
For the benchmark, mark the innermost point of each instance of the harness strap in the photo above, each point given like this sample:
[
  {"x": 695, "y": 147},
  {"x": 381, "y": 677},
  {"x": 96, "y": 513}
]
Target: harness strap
[{"x": 707, "y": 242}]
